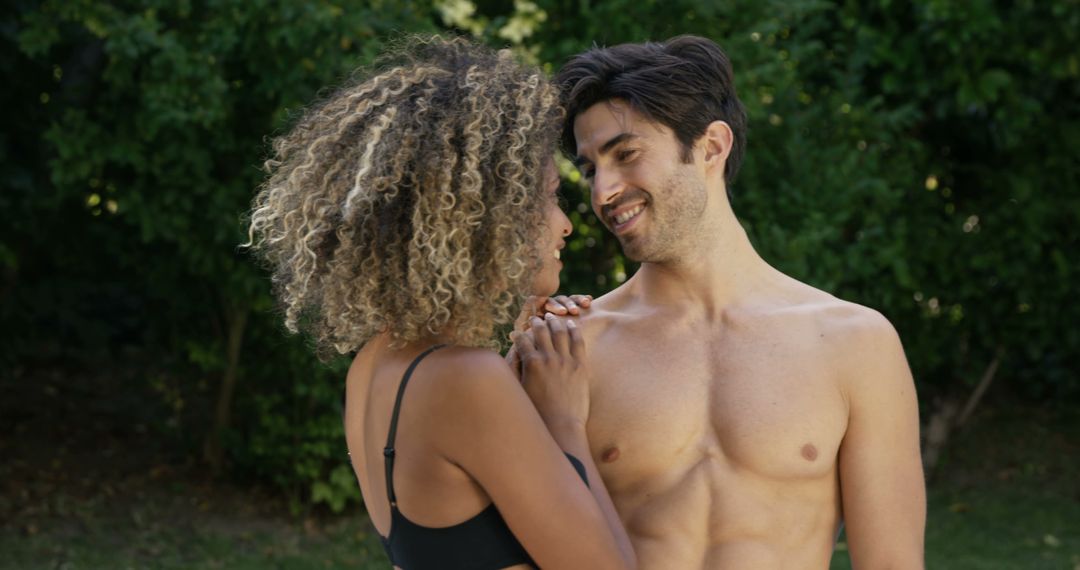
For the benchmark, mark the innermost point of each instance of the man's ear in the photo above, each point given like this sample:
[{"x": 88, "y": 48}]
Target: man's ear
[{"x": 716, "y": 142}]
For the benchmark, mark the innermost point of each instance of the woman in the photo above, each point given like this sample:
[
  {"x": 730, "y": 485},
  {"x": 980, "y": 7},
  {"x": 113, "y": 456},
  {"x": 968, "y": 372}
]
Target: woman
[{"x": 405, "y": 218}]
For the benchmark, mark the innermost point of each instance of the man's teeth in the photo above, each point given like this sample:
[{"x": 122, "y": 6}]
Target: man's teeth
[{"x": 625, "y": 216}]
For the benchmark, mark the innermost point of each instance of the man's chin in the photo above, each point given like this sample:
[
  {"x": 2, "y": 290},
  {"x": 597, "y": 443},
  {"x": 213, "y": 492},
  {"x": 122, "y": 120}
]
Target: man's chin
[
  {"x": 641, "y": 255},
  {"x": 633, "y": 249}
]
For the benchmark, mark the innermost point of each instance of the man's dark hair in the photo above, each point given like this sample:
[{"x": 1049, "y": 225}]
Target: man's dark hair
[{"x": 684, "y": 83}]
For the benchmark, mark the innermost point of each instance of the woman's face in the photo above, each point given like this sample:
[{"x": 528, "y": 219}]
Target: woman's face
[{"x": 556, "y": 227}]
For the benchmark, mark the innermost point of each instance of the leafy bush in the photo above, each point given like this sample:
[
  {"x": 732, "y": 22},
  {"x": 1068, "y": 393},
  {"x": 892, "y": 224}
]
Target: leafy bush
[
  {"x": 152, "y": 118},
  {"x": 915, "y": 157}
]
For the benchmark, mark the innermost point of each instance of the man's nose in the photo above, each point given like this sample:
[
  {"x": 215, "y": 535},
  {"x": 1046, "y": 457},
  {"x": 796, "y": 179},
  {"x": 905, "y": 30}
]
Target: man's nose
[{"x": 607, "y": 185}]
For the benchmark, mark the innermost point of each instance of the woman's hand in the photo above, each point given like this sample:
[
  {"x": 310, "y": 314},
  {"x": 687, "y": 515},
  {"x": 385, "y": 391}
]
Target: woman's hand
[
  {"x": 554, "y": 370},
  {"x": 567, "y": 304},
  {"x": 560, "y": 305},
  {"x": 535, "y": 306}
]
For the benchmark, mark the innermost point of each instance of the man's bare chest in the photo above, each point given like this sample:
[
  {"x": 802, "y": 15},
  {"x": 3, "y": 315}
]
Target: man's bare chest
[{"x": 663, "y": 405}]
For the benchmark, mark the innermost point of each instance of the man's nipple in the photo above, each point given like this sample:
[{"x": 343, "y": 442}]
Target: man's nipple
[
  {"x": 809, "y": 452},
  {"x": 610, "y": 454}
]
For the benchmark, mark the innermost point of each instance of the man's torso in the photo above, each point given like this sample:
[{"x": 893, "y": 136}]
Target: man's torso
[{"x": 718, "y": 438}]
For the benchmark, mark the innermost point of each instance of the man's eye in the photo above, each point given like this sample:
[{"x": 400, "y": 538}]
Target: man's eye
[
  {"x": 588, "y": 173},
  {"x": 624, "y": 155}
]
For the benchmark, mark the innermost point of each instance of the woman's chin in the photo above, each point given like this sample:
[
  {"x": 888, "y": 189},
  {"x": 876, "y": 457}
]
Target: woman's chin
[
  {"x": 544, "y": 291},
  {"x": 545, "y": 287}
]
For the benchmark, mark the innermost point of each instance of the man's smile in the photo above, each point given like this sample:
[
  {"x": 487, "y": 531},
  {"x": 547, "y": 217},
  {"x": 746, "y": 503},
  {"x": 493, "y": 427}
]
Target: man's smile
[{"x": 622, "y": 218}]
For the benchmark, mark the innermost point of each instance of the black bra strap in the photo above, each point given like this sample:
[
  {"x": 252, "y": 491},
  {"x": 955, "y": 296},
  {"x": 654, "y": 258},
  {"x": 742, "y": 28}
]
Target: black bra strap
[{"x": 388, "y": 451}]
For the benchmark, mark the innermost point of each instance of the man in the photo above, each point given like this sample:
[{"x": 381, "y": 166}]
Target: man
[{"x": 738, "y": 416}]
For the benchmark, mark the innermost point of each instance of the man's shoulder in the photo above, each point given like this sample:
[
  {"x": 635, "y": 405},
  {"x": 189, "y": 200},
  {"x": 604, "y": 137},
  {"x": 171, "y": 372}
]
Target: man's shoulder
[
  {"x": 848, "y": 321},
  {"x": 849, "y": 333},
  {"x": 857, "y": 340},
  {"x": 609, "y": 310},
  {"x": 833, "y": 318}
]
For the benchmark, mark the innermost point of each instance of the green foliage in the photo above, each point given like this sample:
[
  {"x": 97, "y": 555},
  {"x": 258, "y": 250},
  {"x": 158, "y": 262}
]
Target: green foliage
[
  {"x": 152, "y": 118},
  {"x": 916, "y": 157},
  {"x": 912, "y": 157},
  {"x": 987, "y": 193},
  {"x": 294, "y": 438}
]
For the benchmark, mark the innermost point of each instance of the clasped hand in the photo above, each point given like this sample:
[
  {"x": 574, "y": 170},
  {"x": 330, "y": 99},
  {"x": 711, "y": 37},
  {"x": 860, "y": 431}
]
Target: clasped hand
[{"x": 550, "y": 355}]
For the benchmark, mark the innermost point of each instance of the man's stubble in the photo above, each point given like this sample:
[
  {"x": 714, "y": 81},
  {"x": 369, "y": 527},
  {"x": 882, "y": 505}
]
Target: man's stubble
[{"x": 676, "y": 213}]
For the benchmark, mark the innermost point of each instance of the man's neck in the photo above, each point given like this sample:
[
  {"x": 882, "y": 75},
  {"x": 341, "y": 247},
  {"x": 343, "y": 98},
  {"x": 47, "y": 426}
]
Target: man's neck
[{"x": 719, "y": 269}]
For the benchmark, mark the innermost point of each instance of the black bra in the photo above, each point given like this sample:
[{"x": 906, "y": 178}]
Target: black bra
[{"x": 483, "y": 542}]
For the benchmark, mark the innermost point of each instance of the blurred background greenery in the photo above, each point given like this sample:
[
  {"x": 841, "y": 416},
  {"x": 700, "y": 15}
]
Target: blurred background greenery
[{"x": 917, "y": 157}]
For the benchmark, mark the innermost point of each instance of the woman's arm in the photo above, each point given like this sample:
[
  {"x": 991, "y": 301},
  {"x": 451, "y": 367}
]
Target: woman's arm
[
  {"x": 556, "y": 377},
  {"x": 487, "y": 425}
]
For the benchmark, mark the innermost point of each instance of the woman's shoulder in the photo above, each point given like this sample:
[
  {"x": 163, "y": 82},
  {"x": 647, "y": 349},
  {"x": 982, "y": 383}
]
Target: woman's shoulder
[
  {"x": 459, "y": 379},
  {"x": 459, "y": 393},
  {"x": 464, "y": 368},
  {"x": 456, "y": 357}
]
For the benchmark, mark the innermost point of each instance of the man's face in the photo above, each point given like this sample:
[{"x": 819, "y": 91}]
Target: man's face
[{"x": 641, "y": 190}]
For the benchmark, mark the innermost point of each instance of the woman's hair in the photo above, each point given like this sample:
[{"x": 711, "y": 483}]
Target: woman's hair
[{"x": 410, "y": 202}]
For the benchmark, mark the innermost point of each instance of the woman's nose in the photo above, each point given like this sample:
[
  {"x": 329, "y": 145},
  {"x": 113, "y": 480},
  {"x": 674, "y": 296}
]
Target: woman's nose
[{"x": 567, "y": 225}]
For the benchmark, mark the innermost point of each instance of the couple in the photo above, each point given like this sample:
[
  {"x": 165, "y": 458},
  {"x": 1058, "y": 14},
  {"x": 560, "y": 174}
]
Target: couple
[{"x": 709, "y": 413}]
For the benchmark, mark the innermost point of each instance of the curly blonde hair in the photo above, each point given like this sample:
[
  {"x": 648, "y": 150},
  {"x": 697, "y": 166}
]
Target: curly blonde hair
[{"x": 410, "y": 202}]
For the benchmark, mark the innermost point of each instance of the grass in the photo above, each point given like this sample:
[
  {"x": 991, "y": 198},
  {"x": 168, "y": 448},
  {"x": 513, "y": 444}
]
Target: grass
[
  {"x": 1007, "y": 529},
  {"x": 173, "y": 545},
  {"x": 183, "y": 527},
  {"x": 971, "y": 529},
  {"x": 1006, "y": 496}
]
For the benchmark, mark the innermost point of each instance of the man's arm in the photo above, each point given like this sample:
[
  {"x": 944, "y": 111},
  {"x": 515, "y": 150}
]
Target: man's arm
[{"x": 881, "y": 476}]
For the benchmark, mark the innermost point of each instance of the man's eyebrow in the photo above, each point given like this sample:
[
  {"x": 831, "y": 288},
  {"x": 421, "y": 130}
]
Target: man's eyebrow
[{"x": 610, "y": 144}]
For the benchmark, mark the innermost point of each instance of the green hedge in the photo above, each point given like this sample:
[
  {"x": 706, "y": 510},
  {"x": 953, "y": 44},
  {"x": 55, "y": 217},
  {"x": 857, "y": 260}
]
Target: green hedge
[{"x": 917, "y": 157}]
